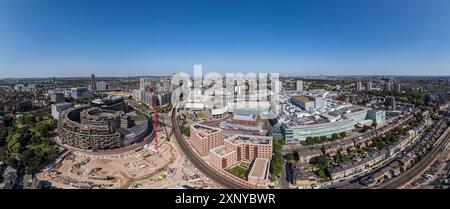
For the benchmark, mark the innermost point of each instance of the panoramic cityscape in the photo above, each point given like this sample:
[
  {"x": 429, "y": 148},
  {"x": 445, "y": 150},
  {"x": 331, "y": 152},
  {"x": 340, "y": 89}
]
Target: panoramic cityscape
[
  {"x": 294, "y": 95},
  {"x": 301, "y": 133}
]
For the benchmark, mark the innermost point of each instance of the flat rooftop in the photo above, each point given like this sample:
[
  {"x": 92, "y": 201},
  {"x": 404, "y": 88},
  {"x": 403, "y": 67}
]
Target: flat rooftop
[
  {"x": 296, "y": 119},
  {"x": 303, "y": 99},
  {"x": 205, "y": 128},
  {"x": 245, "y": 117},
  {"x": 104, "y": 114},
  {"x": 305, "y": 151},
  {"x": 222, "y": 150},
  {"x": 259, "y": 168},
  {"x": 239, "y": 138},
  {"x": 62, "y": 104}
]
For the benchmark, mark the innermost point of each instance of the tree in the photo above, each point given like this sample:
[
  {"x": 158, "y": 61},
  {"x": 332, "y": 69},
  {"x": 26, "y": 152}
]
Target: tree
[
  {"x": 274, "y": 178},
  {"x": 342, "y": 134},
  {"x": 3, "y": 135},
  {"x": 335, "y": 136},
  {"x": 8, "y": 119},
  {"x": 185, "y": 130},
  {"x": 309, "y": 140},
  {"x": 14, "y": 144},
  {"x": 276, "y": 165},
  {"x": 36, "y": 155},
  {"x": 316, "y": 139},
  {"x": 24, "y": 106},
  {"x": 290, "y": 157},
  {"x": 28, "y": 148},
  {"x": 374, "y": 124},
  {"x": 321, "y": 161},
  {"x": 365, "y": 129},
  {"x": 378, "y": 143},
  {"x": 321, "y": 173},
  {"x": 2, "y": 168},
  {"x": 342, "y": 97},
  {"x": 296, "y": 156}
]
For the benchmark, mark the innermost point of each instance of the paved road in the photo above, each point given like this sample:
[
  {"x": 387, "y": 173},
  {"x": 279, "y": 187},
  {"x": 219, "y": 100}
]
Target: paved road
[
  {"x": 200, "y": 163},
  {"x": 419, "y": 168},
  {"x": 284, "y": 184}
]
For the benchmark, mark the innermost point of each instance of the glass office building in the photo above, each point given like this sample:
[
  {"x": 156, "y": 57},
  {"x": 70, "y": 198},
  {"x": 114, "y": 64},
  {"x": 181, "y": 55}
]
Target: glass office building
[{"x": 299, "y": 133}]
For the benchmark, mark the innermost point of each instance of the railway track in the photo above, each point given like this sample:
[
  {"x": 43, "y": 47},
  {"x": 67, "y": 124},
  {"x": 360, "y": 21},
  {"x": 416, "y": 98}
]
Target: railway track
[
  {"x": 200, "y": 163},
  {"x": 420, "y": 167}
]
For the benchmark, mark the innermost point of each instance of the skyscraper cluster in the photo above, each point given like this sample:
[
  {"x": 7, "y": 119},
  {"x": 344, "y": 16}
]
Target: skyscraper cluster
[{"x": 153, "y": 92}]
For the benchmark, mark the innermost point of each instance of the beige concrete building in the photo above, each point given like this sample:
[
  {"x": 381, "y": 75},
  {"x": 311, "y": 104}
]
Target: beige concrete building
[
  {"x": 222, "y": 157},
  {"x": 240, "y": 148},
  {"x": 246, "y": 119},
  {"x": 259, "y": 173},
  {"x": 306, "y": 154},
  {"x": 93, "y": 128},
  {"x": 249, "y": 147},
  {"x": 204, "y": 138}
]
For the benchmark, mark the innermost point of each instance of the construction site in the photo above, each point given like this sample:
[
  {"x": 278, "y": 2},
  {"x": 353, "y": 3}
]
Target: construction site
[{"x": 142, "y": 168}]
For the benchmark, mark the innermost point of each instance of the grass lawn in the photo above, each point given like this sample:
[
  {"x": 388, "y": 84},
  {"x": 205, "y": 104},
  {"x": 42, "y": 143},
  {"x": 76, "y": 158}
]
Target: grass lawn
[
  {"x": 238, "y": 171},
  {"x": 202, "y": 115},
  {"x": 140, "y": 113}
]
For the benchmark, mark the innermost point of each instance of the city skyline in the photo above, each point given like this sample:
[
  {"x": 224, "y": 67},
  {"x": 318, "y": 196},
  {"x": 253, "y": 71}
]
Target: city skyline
[
  {"x": 305, "y": 38},
  {"x": 281, "y": 76},
  {"x": 226, "y": 96}
]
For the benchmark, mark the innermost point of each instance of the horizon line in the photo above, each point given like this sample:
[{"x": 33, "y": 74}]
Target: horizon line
[{"x": 360, "y": 75}]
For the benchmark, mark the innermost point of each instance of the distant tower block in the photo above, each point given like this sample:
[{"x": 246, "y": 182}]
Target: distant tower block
[
  {"x": 299, "y": 85},
  {"x": 369, "y": 86},
  {"x": 388, "y": 86},
  {"x": 93, "y": 83},
  {"x": 398, "y": 87},
  {"x": 358, "y": 86}
]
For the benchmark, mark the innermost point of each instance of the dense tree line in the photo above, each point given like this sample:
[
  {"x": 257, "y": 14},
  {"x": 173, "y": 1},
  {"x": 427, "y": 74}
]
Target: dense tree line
[
  {"x": 317, "y": 140},
  {"x": 276, "y": 165},
  {"x": 27, "y": 145},
  {"x": 185, "y": 130},
  {"x": 2, "y": 169},
  {"x": 24, "y": 106},
  {"x": 321, "y": 163},
  {"x": 415, "y": 98},
  {"x": 165, "y": 109}
]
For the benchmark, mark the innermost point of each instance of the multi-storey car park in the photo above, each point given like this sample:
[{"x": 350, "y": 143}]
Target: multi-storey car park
[{"x": 94, "y": 128}]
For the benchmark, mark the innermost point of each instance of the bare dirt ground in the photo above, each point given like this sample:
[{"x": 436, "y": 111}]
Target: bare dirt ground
[{"x": 140, "y": 168}]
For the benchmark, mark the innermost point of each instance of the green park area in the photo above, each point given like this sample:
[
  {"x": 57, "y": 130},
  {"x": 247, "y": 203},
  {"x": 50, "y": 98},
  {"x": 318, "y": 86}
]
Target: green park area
[
  {"x": 238, "y": 171},
  {"x": 27, "y": 144},
  {"x": 202, "y": 115}
]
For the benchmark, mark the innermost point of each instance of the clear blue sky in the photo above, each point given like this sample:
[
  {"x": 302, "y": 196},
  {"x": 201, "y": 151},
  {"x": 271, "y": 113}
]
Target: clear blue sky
[{"x": 41, "y": 38}]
